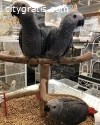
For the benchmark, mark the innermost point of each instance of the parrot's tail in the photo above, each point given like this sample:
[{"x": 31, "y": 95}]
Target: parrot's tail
[{"x": 91, "y": 111}]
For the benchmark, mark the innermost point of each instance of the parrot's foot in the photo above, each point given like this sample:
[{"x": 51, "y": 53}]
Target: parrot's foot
[
  {"x": 74, "y": 60},
  {"x": 16, "y": 60},
  {"x": 28, "y": 58},
  {"x": 58, "y": 59},
  {"x": 42, "y": 56},
  {"x": 36, "y": 57}
]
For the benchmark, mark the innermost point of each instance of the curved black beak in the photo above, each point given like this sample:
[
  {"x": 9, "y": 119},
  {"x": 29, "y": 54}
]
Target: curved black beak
[
  {"x": 15, "y": 12},
  {"x": 80, "y": 22},
  {"x": 46, "y": 109}
]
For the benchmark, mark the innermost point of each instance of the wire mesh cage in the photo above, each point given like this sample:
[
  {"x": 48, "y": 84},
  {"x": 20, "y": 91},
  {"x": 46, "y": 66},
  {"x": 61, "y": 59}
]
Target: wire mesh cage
[
  {"x": 89, "y": 71},
  {"x": 12, "y": 75},
  {"x": 64, "y": 71}
]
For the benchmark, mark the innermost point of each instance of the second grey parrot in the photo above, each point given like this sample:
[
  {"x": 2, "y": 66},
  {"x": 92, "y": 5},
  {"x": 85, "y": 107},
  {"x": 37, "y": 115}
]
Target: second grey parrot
[
  {"x": 31, "y": 38},
  {"x": 59, "y": 40},
  {"x": 68, "y": 111}
]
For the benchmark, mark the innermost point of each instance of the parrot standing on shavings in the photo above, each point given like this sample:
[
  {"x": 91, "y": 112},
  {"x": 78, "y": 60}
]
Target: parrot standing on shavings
[
  {"x": 31, "y": 38},
  {"x": 59, "y": 40},
  {"x": 68, "y": 111}
]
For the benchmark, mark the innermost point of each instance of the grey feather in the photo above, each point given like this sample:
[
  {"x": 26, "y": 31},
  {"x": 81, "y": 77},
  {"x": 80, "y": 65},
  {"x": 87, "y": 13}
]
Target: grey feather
[
  {"x": 50, "y": 38},
  {"x": 69, "y": 46},
  {"x": 68, "y": 111},
  {"x": 59, "y": 40},
  {"x": 43, "y": 34},
  {"x": 32, "y": 38},
  {"x": 20, "y": 39}
]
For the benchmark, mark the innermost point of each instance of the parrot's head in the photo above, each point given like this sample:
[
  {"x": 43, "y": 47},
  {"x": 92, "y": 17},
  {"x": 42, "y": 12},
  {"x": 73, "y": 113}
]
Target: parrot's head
[
  {"x": 72, "y": 20},
  {"x": 54, "y": 107},
  {"x": 77, "y": 18},
  {"x": 18, "y": 8}
]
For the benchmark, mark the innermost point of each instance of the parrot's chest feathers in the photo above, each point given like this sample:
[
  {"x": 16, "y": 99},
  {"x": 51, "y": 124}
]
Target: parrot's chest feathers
[
  {"x": 63, "y": 38},
  {"x": 31, "y": 43},
  {"x": 65, "y": 35},
  {"x": 31, "y": 38}
]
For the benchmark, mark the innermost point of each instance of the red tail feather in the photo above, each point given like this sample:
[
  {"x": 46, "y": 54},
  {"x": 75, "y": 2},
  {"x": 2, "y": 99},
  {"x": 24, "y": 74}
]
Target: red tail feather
[
  {"x": 38, "y": 95},
  {"x": 91, "y": 111}
]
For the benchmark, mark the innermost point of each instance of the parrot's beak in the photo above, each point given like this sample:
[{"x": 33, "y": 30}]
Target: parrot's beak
[
  {"x": 80, "y": 22},
  {"x": 15, "y": 12},
  {"x": 46, "y": 109}
]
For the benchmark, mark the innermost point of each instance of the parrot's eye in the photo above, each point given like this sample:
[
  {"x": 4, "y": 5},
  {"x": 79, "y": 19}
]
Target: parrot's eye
[
  {"x": 74, "y": 16},
  {"x": 23, "y": 5},
  {"x": 54, "y": 106}
]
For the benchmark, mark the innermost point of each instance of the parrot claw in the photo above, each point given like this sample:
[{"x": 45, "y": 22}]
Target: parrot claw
[
  {"x": 16, "y": 60},
  {"x": 42, "y": 56},
  {"x": 74, "y": 60},
  {"x": 28, "y": 58},
  {"x": 36, "y": 57},
  {"x": 58, "y": 59}
]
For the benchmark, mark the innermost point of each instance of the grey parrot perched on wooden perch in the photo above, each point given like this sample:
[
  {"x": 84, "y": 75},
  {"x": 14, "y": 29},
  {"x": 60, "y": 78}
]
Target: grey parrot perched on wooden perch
[
  {"x": 68, "y": 111},
  {"x": 31, "y": 38},
  {"x": 59, "y": 40}
]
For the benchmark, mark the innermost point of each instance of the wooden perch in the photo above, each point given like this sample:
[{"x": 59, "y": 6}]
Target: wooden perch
[
  {"x": 91, "y": 14},
  {"x": 44, "y": 74},
  {"x": 43, "y": 90},
  {"x": 44, "y": 97},
  {"x": 20, "y": 93},
  {"x": 70, "y": 61}
]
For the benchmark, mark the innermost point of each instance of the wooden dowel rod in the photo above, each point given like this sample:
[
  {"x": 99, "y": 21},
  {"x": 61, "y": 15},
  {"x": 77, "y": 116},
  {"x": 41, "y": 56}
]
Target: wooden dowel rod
[
  {"x": 79, "y": 59},
  {"x": 91, "y": 14},
  {"x": 20, "y": 93},
  {"x": 44, "y": 97},
  {"x": 43, "y": 90}
]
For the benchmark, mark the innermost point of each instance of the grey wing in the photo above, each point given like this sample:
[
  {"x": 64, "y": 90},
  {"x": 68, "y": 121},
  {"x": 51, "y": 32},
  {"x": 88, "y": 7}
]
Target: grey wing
[
  {"x": 20, "y": 39},
  {"x": 68, "y": 47},
  {"x": 66, "y": 99},
  {"x": 50, "y": 38},
  {"x": 74, "y": 112},
  {"x": 43, "y": 33}
]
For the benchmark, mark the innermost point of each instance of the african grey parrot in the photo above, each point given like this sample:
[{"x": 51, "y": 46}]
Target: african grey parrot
[
  {"x": 31, "y": 38},
  {"x": 59, "y": 40},
  {"x": 68, "y": 111}
]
